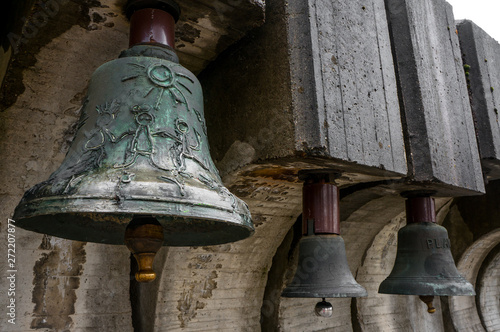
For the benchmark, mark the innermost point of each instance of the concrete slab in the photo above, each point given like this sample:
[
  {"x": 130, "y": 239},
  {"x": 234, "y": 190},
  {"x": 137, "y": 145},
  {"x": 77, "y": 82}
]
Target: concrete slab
[
  {"x": 439, "y": 131},
  {"x": 481, "y": 57}
]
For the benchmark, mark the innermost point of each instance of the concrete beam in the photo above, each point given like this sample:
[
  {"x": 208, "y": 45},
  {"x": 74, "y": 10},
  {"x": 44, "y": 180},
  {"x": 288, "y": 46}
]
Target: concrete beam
[
  {"x": 439, "y": 132},
  {"x": 316, "y": 81},
  {"x": 343, "y": 83},
  {"x": 481, "y": 56}
]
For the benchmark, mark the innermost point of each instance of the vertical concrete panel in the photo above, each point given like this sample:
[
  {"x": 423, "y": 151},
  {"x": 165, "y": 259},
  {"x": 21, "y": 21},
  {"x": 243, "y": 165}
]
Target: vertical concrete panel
[
  {"x": 481, "y": 55},
  {"x": 344, "y": 87},
  {"x": 439, "y": 129}
]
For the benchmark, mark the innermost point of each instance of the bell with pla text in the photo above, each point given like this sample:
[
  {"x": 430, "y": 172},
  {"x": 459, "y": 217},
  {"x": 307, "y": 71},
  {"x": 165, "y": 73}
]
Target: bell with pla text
[{"x": 424, "y": 265}]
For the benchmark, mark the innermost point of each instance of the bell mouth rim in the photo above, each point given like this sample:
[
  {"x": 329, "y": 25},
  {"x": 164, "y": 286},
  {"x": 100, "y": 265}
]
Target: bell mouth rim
[
  {"x": 105, "y": 221},
  {"x": 308, "y": 292},
  {"x": 408, "y": 286}
]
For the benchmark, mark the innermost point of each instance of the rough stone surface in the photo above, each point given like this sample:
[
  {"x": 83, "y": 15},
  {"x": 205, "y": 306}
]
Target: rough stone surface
[
  {"x": 481, "y": 57},
  {"x": 59, "y": 284},
  {"x": 204, "y": 29},
  {"x": 489, "y": 292},
  {"x": 221, "y": 288},
  {"x": 247, "y": 93},
  {"x": 321, "y": 97},
  {"x": 208, "y": 27},
  {"x": 63, "y": 285},
  {"x": 343, "y": 84},
  {"x": 439, "y": 131}
]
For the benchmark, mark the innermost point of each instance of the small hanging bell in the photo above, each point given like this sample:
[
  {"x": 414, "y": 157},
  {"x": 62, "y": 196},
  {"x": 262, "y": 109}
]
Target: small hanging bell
[
  {"x": 322, "y": 269},
  {"x": 424, "y": 265},
  {"x": 140, "y": 153}
]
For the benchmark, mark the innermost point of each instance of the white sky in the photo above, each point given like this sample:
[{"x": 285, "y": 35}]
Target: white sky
[{"x": 485, "y": 13}]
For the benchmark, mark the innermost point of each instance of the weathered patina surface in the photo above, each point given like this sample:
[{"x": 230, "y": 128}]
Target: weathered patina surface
[{"x": 141, "y": 148}]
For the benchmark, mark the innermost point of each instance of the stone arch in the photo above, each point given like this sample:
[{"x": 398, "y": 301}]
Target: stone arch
[
  {"x": 220, "y": 288},
  {"x": 464, "y": 309},
  {"x": 489, "y": 291},
  {"x": 364, "y": 213},
  {"x": 383, "y": 312}
]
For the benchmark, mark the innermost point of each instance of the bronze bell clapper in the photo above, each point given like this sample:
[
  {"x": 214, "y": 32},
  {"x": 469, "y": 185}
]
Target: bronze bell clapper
[
  {"x": 322, "y": 269},
  {"x": 424, "y": 264},
  {"x": 139, "y": 169}
]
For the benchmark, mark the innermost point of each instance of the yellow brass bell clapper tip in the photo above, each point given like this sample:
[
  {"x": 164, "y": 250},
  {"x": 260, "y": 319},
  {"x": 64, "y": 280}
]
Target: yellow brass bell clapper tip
[
  {"x": 144, "y": 237},
  {"x": 428, "y": 300}
]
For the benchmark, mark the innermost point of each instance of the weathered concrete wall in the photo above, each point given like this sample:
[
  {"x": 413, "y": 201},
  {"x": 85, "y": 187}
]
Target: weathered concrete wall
[
  {"x": 60, "y": 285},
  {"x": 481, "y": 57},
  {"x": 463, "y": 309},
  {"x": 439, "y": 131},
  {"x": 204, "y": 29},
  {"x": 220, "y": 288},
  {"x": 63, "y": 285},
  {"x": 489, "y": 293},
  {"x": 481, "y": 227},
  {"x": 208, "y": 27}
]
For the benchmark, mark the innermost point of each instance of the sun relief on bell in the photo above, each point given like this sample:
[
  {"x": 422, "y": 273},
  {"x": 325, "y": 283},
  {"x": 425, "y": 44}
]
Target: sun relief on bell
[
  {"x": 155, "y": 119},
  {"x": 141, "y": 113}
]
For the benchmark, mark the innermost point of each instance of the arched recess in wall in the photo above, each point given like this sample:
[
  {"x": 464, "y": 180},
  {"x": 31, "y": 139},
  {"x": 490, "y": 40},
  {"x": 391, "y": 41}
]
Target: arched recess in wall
[
  {"x": 489, "y": 291},
  {"x": 364, "y": 213},
  {"x": 220, "y": 288},
  {"x": 383, "y": 312},
  {"x": 465, "y": 311}
]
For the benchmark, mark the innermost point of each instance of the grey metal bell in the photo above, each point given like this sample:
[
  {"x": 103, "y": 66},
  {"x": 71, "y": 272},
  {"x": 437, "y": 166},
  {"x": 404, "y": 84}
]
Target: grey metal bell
[
  {"x": 424, "y": 264},
  {"x": 322, "y": 269}
]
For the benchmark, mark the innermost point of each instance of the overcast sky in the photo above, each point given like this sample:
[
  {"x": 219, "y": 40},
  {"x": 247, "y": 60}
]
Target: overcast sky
[{"x": 485, "y": 13}]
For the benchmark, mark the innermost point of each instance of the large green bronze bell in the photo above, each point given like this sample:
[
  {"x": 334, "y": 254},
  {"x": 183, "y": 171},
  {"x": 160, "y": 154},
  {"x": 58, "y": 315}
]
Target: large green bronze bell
[
  {"x": 140, "y": 153},
  {"x": 424, "y": 265},
  {"x": 322, "y": 269}
]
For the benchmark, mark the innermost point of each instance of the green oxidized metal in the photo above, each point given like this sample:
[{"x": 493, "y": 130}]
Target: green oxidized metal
[{"x": 141, "y": 148}]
